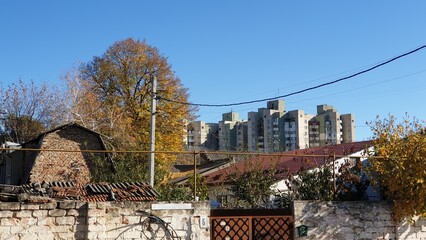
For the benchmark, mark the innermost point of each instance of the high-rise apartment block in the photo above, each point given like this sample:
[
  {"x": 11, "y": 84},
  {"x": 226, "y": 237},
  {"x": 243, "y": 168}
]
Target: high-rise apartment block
[
  {"x": 232, "y": 132},
  {"x": 273, "y": 129},
  {"x": 202, "y": 136},
  {"x": 263, "y": 131},
  {"x": 329, "y": 127}
]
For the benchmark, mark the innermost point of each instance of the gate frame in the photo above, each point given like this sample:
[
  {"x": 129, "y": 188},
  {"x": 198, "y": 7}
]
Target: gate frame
[{"x": 251, "y": 214}]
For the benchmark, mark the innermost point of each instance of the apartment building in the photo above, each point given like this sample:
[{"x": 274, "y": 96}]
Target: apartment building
[
  {"x": 231, "y": 132},
  {"x": 264, "y": 133},
  {"x": 202, "y": 136},
  {"x": 348, "y": 127},
  {"x": 329, "y": 127},
  {"x": 272, "y": 129},
  {"x": 296, "y": 130}
]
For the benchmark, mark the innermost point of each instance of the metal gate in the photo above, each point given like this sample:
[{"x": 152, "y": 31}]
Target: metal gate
[{"x": 251, "y": 224}]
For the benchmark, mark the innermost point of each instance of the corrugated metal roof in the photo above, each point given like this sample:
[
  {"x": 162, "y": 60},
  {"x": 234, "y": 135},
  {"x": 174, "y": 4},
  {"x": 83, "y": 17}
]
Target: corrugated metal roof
[
  {"x": 286, "y": 164},
  {"x": 93, "y": 192}
]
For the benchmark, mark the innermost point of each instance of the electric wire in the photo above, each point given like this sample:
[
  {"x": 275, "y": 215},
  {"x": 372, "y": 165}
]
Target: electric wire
[{"x": 300, "y": 91}]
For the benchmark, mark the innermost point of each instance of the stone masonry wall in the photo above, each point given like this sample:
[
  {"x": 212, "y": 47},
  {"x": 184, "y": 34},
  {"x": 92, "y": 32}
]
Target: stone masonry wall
[
  {"x": 353, "y": 220},
  {"x": 103, "y": 220}
]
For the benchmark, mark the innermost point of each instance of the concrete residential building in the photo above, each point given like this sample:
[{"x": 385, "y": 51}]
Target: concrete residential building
[
  {"x": 272, "y": 129},
  {"x": 202, "y": 136},
  {"x": 263, "y": 130},
  {"x": 326, "y": 127},
  {"x": 296, "y": 131},
  {"x": 348, "y": 127},
  {"x": 229, "y": 131}
]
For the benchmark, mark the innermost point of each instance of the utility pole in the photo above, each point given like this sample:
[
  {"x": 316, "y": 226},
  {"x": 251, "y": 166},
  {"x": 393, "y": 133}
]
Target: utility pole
[
  {"x": 152, "y": 130},
  {"x": 195, "y": 176}
]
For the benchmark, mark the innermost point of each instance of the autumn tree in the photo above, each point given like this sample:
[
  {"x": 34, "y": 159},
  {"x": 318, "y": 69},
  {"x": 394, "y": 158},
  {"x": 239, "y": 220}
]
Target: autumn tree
[
  {"x": 111, "y": 94},
  {"x": 398, "y": 164},
  {"x": 29, "y": 109}
]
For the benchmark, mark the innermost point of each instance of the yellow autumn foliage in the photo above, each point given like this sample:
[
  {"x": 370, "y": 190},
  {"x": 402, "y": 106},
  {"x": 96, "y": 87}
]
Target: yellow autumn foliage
[
  {"x": 113, "y": 97},
  {"x": 398, "y": 165}
]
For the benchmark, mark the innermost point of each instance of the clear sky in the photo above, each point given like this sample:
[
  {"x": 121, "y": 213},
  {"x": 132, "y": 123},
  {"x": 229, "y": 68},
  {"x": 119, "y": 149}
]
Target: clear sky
[{"x": 231, "y": 51}]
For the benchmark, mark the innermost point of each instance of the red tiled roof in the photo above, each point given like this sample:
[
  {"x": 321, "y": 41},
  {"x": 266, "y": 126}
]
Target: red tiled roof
[
  {"x": 287, "y": 164},
  {"x": 94, "y": 192}
]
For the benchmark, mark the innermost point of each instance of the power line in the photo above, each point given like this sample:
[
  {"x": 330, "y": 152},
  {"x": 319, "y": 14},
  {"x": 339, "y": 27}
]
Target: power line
[{"x": 300, "y": 91}]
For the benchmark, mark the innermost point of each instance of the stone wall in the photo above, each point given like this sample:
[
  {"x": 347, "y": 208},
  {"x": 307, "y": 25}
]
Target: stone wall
[
  {"x": 353, "y": 220},
  {"x": 103, "y": 220}
]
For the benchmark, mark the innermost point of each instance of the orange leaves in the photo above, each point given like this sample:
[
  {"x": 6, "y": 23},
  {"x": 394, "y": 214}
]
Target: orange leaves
[{"x": 115, "y": 98}]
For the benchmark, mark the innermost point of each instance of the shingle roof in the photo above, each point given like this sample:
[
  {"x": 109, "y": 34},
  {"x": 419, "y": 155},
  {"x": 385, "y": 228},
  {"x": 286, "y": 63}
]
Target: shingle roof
[
  {"x": 289, "y": 163},
  {"x": 93, "y": 192}
]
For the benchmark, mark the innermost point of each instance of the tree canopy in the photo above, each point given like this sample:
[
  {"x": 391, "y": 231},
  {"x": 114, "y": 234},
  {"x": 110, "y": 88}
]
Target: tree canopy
[
  {"x": 29, "y": 109},
  {"x": 398, "y": 165},
  {"x": 111, "y": 94}
]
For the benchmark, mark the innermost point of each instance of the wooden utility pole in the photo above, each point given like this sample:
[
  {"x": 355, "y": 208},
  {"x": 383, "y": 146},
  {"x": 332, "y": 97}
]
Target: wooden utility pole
[{"x": 152, "y": 131}]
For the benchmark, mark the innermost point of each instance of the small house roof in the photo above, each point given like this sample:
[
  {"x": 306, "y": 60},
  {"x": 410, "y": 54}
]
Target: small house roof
[
  {"x": 93, "y": 192},
  {"x": 288, "y": 163}
]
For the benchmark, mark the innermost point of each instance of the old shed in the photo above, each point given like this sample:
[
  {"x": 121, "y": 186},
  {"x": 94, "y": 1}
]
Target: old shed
[{"x": 49, "y": 163}]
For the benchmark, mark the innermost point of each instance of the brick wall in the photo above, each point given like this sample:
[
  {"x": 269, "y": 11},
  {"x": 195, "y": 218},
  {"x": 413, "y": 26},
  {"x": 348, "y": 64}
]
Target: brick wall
[
  {"x": 353, "y": 220},
  {"x": 66, "y": 166},
  {"x": 104, "y": 220}
]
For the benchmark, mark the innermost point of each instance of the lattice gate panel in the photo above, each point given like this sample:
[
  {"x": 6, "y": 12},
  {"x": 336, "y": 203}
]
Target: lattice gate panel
[
  {"x": 231, "y": 228},
  {"x": 277, "y": 228}
]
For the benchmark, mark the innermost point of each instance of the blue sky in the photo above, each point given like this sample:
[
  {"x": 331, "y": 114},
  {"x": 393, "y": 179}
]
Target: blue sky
[{"x": 232, "y": 51}]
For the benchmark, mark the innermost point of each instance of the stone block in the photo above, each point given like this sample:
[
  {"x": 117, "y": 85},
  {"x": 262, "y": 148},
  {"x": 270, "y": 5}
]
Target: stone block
[
  {"x": 112, "y": 212},
  {"x": 64, "y": 236},
  {"x": 28, "y": 237},
  {"x": 9, "y": 222},
  {"x": 14, "y": 230},
  {"x": 46, "y": 221},
  {"x": 37, "y": 229},
  {"x": 47, "y": 235},
  {"x": 49, "y": 206},
  {"x": 7, "y": 236},
  {"x": 421, "y": 235},
  {"x": 92, "y": 235},
  {"x": 6, "y": 214},
  {"x": 101, "y": 221},
  {"x": 91, "y": 205},
  {"x": 10, "y": 206},
  {"x": 57, "y": 213},
  {"x": 96, "y": 228},
  {"x": 102, "y": 205},
  {"x": 132, "y": 235},
  {"x": 30, "y": 206},
  {"x": 23, "y": 214},
  {"x": 40, "y": 213},
  {"x": 66, "y": 205},
  {"x": 65, "y": 220},
  {"x": 118, "y": 234},
  {"x": 95, "y": 212},
  {"x": 91, "y": 220},
  {"x": 365, "y": 235},
  {"x": 61, "y": 229},
  {"x": 72, "y": 212},
  {"x": 28, "y": 221}
]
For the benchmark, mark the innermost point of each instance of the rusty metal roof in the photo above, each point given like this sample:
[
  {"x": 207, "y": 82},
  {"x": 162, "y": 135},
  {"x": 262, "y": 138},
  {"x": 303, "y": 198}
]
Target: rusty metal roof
[
  {"x": 93, "y": 192},
  {"x": 290, "y": 163}
]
